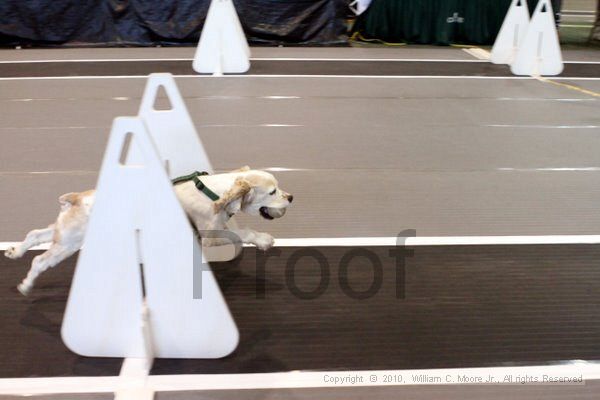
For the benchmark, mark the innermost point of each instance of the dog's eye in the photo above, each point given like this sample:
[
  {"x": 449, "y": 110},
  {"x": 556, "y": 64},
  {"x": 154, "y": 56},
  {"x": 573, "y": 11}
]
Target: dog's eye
[{"x": 273, "y": 192}]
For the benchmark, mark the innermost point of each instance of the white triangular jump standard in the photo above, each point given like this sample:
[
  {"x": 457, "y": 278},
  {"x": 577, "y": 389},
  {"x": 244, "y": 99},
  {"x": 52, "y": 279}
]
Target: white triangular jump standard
[
  {"x": 178, "y": 143},
  {"x": 140, "y": 251},
  {"x": 539, "y": 53},
  {"x": 511, "y": 33},
  {"x": 222, "y": 47}
]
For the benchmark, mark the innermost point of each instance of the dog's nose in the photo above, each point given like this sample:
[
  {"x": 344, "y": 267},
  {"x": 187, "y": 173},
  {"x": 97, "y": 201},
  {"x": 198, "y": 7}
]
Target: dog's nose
[{"x": 290, "y": 198}]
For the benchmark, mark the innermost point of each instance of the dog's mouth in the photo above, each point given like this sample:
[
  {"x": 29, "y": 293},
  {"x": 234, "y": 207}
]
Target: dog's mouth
[{"x": 264, "y": 212}]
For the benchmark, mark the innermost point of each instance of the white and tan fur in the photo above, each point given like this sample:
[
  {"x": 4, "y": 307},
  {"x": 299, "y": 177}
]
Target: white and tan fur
[{"x": 250, "y": 191}]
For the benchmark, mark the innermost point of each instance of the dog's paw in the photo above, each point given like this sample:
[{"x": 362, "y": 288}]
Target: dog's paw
[
  {"x": 13, "y": 252},
  {"x": 264, "y": 241},
  {"x": 24, "y": 289}
]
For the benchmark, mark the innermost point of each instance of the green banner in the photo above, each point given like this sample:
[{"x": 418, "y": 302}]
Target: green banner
[{"x": 441, "y": 22}]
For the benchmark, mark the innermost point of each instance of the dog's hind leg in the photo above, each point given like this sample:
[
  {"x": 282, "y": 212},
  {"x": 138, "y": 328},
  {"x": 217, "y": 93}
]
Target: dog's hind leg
[
  {"x": 33, "y": 238},
  {"x": 55, "y": 254}
]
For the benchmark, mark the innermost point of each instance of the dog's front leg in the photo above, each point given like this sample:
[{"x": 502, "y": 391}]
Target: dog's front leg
[
  {"x": 262, "y": 240},
  {"x": 214, "y": 232}
]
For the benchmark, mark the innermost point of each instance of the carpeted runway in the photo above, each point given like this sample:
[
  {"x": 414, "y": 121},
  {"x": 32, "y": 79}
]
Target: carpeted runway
[{"x": 304, "y": 308}]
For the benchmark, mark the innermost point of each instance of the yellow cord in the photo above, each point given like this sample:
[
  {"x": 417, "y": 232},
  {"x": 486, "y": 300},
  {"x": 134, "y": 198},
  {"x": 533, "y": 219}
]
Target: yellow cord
[
  {"x": 566, "y": 85},
  {"x": 463, "y": 46},
  {"x": 357, "y": 37}
]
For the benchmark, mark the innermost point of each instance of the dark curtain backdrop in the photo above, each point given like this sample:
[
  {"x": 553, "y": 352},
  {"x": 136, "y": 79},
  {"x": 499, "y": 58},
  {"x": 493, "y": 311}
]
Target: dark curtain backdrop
[
  {"x": 436, "y": 21},
  {"x": 152, "y": 22},
  {"x": 595, "y": 35}
]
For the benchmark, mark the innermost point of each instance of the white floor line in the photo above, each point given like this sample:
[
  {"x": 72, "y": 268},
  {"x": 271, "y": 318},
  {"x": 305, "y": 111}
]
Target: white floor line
[
  {"x": 68, "y": 172},
  {"x": 33, "y": 386},
  {"x": 252, "y": 59},
  {"x": 249, "y": 126},
  {"x": 301, "y": 76},
  {"x": 544, "y": 126},
  {"x": 551, "y": 169},
  {"x": 41, "y": 78},
  {"x": 414, "y": 241},
  {"x": 52, "y": 128},
  {"x": 367, "y": 59},
  {"x": 86, "y": 60},
  {"x": 294, "y": 379},
  {"x": 262, "y": 97},
  {"x": 543, "y": 99},
  {"x": 92, "y": 60},
  {"x": 438, "y": 241},
  {"x": 581, "y": 62}
]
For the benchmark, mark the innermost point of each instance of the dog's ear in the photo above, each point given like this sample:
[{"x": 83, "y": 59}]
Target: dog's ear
[
  {"x": 245, "y": 168},
  {"x": 68, "y": 200},
  {"x": 240, "y": 189}
]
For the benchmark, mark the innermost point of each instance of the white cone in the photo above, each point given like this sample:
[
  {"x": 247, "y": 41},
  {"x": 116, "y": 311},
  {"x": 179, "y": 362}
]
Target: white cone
[
  {"x": 137, "y": 223},
  {"x": 222, "y": 47},
  {"x": 511, "y": 33},
  {"x": 539, "y": 53}
]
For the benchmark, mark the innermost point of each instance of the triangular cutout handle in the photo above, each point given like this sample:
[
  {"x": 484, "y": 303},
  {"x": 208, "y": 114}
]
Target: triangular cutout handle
[
  {"x": 162, "y": 101},
  {"x": 160, "y": 95},
  {"x": 130, "y": 154}
]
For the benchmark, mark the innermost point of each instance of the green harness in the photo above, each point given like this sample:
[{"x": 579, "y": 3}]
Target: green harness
[{"x": 199, "y": 184}]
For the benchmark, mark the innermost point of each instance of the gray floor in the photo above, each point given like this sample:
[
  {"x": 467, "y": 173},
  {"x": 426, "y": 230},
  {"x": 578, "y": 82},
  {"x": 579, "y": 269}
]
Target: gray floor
[
  {"x": 589, "y": 85},
  {"x": 367, "y": 157},
  {"x": 579, "y": 5},
  {"x": 588, "y": 391},
  {"x": 374, "y": 156},
  {"x": 419, "y": 52}
]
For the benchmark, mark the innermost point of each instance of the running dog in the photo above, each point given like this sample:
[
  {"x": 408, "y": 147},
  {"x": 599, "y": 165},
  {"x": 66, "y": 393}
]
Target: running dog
[{"x": 208, "y": 200}]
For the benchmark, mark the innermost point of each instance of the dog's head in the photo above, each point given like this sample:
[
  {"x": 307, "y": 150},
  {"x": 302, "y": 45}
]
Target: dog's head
[
  {"x": 256, "y": 193},
  {"x": 264, "y": 196}
]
